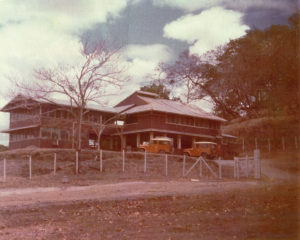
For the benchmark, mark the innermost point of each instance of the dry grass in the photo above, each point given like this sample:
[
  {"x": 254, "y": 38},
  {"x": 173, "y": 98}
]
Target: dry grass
[{"x": 17, "y": 166}]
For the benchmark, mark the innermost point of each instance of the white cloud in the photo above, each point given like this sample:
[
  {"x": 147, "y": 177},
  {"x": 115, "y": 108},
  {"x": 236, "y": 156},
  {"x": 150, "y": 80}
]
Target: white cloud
[
  {"x": 142, "y": 61},
  {"x": 37, "y": 33},
  {"x": 207, "y": 30},
  {"x": 68, "y": 15},
  {"x": 154, "y": 52},
  {"x": 239, "y": 5},
  {"x": 190, "y": 5}
]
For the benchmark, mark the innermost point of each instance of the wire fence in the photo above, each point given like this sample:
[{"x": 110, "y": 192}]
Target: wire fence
[
  {"x": 269, "y": 144},
  {"x": 111, "y": 164}
]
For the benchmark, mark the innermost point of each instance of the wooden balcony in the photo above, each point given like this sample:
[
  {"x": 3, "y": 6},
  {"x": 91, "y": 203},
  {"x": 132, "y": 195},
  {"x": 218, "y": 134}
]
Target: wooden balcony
[{"x": 34, "y": 120}]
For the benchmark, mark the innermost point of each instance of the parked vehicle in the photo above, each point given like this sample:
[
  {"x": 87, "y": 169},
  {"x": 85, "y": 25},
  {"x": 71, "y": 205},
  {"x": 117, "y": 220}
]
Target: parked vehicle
[
  {"x": 208, "y": 150},
  {"x": 158, "y": 145}
]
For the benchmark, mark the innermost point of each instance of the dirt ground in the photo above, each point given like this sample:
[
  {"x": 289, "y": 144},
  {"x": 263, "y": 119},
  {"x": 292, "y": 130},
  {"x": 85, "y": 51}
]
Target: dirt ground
[{"x": 155, "y": 207}]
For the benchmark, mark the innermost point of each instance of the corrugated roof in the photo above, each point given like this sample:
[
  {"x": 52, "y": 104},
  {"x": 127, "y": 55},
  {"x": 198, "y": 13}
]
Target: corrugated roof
[
  {"x": 163, "y": 105},
  {"x": 147, "y": 94},
  {"x": 90, "y": 106},
  {"x": 19, "y": 128},
  {"x": 123, "y": 108},
  {"x": 62, "y": 102}
]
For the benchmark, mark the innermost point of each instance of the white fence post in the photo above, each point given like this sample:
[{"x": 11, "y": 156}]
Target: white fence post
[
  {"x": 76, "y": 162},
  {"x": 220, "y": 171},
  {"x": 238, "y": 168},
  {"x": 166, "y": 158},
  {"x": 4, "y": 170},
  {"x": 235, "y": 168},
  {"x": 145, "y": 161},
  {"x": 200, "y": 166},
  {"x": 247, "y": 166},
  {"x": 123, "y": 160},
  {"x": 183, "y": 165},
  {"x": 257, "y": 170},
  {"x": 30, "y": 170},
  {"x": 54, "y": 164},
  {"x": 100, "y": 157}
]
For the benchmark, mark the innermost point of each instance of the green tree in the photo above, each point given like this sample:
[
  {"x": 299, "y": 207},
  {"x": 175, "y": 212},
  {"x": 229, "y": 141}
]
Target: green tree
[
  {"x": 251, "y": 76},
  {"x": 157, "y": 88}
]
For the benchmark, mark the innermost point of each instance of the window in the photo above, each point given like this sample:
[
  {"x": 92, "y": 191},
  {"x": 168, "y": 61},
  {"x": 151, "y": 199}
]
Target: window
[
  {"x": 131, "y": 119},
  {"x": 65, "y": 135},
  {"x": 46, "y": 132},
  {"x": 58, "y": 114}
]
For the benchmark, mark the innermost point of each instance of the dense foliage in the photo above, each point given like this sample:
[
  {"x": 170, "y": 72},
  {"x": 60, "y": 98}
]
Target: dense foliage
[
  {"x": 158, "y": 88},
  {"x": 255, "y": 75},
  {"x": 3, "y": 148}
]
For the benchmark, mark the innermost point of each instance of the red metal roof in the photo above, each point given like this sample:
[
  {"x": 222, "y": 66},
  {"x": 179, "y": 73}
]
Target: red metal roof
[{"x": 163, "y": 105}]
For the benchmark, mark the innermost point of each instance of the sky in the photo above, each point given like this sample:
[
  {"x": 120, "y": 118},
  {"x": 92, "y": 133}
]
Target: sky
[{"x": 48, "y": 33}]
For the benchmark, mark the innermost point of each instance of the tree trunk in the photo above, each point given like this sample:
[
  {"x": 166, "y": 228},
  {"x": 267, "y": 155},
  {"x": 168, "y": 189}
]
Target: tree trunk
[
  {"x": 99, "y": 133},
  {"x": 79, "y": 137}
]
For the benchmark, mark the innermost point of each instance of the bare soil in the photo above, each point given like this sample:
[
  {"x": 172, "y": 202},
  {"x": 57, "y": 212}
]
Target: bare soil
[{"x": 269, "y": 212}]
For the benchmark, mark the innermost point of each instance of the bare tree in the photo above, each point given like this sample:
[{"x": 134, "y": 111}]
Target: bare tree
[
  {"x": 98, "y": 128},
  {"x": 99, "y": 71}
]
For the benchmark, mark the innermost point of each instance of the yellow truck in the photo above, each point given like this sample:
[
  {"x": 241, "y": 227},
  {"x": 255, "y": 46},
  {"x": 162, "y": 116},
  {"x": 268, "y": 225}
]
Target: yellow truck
[
  {"x": 158, "y": 145},
  {"x": 204, "y": 149}
]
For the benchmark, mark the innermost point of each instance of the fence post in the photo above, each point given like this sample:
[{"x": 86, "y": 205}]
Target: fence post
[
  {"x": 100, "y": 157},
  {"x": 123, "y": 160},
  {"x": 145, "y": 161},
  {"x": 76, "y": 162},
  {"x": 283, "y": 144},
  {"x": 183, "y": 165},
  {"x": 247, "y": 166},
  {"x": 235, "y": 168},
  {"x": 200, "y": 165},
  {"x": 4, "y": 170},
  {"x": 30, "y": 170},
  {"x": 255, "y": 143},
  {"x": 296, "y": 142},
  {"x": 269, "y": 144},
  {"x": 238, "y": 168},
  {"x": 54, "y": 164},
  {"x": 220, "y": 171},
  {"x": 257, "y": 170},
  {"x": 166, "y": 157}
]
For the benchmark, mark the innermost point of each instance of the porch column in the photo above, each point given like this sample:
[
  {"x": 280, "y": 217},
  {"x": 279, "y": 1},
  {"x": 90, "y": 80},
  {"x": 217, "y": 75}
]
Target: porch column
[
  {"x": 123, "y": 141},
  {"x": 179, "y": 142},
  {"x": 138, "y": 139},
  {"x": 151, "y": 135},
  {"x": 193, "y": 141}
]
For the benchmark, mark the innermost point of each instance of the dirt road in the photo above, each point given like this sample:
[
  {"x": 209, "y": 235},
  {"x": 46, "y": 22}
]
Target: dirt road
[{"x": 115, "y": 191}]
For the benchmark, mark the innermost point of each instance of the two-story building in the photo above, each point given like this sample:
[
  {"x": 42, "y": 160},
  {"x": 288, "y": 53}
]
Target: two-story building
[
  {"x": 52, "y": 124},
  {"x": 151, "y": 116}
]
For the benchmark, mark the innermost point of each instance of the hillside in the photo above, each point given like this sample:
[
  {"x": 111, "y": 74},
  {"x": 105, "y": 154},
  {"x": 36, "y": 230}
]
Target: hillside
[
  {"x": 274, "y": 129},
  {"x": 3, "y": 148}
]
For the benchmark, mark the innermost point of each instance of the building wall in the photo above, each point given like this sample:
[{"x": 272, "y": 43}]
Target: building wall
[{"x": 159, "y": 121}]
